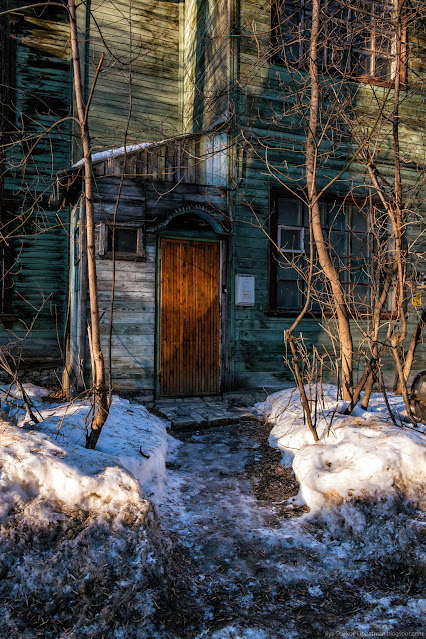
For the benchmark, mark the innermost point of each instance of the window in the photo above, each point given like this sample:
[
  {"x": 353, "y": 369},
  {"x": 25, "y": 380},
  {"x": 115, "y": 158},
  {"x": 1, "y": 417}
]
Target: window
[
  {"x": 355, "y": 38},
  {"x": 126, "y": 239},
  {"x": 360, "y": 247}
]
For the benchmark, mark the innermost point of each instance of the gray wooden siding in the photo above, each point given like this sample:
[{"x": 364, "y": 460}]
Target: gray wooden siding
[
  {"x": 265, "y": 113},
  {"x": 133, "y": 334},
  {"x": 207, "y": 71}
]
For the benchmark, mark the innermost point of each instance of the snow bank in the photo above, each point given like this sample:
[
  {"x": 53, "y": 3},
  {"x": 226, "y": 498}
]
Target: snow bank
[
  {"x": 358, "y": 457},
  {"x": 79, "y": 543},
  {"x": 132, "y": 438},
  {"x": 133, "y": 446},
  {"x": 32, "y": 467}
]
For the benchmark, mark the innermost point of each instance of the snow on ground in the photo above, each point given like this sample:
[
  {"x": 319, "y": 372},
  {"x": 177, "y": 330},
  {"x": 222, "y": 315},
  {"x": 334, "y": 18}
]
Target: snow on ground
[
  {"x": 363, "y": 455},
  {"x": 254, "y": 574},
  {"x": 81, "y": 553},
  {"x": 79, "y": 545},
  {"x": 131, "y": 450}
]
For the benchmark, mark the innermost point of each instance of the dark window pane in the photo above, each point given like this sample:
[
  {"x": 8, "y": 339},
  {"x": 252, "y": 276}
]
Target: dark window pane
[
  {"x": 286, "y": 272},
  {"x": 290, "y": 33},
  {"x": 323, "y": 213},
  {"x": 338, "y": 216},
  {"x": 288, "y": 294},
  {"x": 2, "y": 277},
  {"x": 383, "y": 68},
  {"x": 362, "y": 296},
  {"x": 290, "y": 239},
  {"x": 339, "y": 243},
  {"x": 361, "y": 63},
  {"x": 360, "y": 248},
  {"x": 126, "y": 240},
  {"x": 289, "y": 212},
  {"x": 360, "y": 272},
  {"x": 359, "y": 219},
  {"x": 383, "y": 43}
]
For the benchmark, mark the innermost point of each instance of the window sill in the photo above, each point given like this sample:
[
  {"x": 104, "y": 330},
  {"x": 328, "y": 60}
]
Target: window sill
[
  {"x": 325, "y": 314},
  {"x": 123, "y": 257},
  {"x": 361, "y": 79}
]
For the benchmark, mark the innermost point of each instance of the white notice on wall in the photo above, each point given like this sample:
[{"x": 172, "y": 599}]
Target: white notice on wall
[{"x": 244, "y": 290}]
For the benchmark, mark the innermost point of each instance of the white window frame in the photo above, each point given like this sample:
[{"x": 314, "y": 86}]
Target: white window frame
[{"x": 286, "y": 227}]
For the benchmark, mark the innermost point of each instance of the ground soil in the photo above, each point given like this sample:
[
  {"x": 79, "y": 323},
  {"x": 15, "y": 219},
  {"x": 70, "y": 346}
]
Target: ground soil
[{"x": 248, "y": 565}]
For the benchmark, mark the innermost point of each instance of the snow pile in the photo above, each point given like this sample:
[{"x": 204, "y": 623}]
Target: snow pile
[
  {"x": 79, "y": 544},
  {"x": 132, "y": 438},
  {"x": 33, "y": 467},
  {"x": 358, "y": 457},
  {"x": 133, "y": 446}
]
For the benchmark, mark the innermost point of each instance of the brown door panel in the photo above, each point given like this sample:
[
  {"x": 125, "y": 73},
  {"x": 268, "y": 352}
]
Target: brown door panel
[{"x": 190, "y": 318}]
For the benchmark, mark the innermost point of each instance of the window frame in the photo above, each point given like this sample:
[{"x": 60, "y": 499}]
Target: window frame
[
  {"x": 105, "y": 230},
  {"x": 277, "y": 41},
  {"x": 274, "y": 257},
  {"x": 287, "y": 227}
]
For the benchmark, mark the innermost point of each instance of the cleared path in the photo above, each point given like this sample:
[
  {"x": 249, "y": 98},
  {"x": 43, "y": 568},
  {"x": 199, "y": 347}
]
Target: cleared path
[{"x": 251, "y": 567}]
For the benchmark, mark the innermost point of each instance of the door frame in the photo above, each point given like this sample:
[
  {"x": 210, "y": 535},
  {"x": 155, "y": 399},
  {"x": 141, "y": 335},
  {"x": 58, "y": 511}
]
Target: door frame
[{"x": 196, "y": 237}]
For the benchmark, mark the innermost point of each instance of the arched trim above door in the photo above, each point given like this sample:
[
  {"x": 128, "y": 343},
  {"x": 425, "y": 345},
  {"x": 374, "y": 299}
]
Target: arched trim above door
[{"x": 217, "y": 221}]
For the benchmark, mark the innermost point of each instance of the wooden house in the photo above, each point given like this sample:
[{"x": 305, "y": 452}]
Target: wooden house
[{"x": 198, "y": 166}]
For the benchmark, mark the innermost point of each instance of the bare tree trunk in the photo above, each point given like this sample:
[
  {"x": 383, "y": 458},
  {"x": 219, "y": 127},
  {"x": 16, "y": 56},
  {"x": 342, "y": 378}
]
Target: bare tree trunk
[
  {"x": 324, "y": 257},
  {"x": 99, "y": 386},
  {"x": 376, "y": 353}
]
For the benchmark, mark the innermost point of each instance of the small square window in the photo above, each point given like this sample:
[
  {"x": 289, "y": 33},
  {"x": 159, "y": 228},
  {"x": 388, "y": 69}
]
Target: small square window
[
  {"x": 291, "y": 239},
  {"x": 122, "y": 240}
]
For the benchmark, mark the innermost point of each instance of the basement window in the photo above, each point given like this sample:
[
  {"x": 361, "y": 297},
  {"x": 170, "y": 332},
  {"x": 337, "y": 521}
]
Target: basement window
[{"x": 124, "y": 241}]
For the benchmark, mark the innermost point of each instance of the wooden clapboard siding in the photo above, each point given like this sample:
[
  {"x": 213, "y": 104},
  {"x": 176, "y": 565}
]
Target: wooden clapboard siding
[
  {"x": 190, "y": 318},
  {"x": 133, "y": 334},
  {"x": 41, "y": 97},
  {"x": 264, "y": 111},
  {"x": 206, "y": 62},
  {"x": 137, "y": 92}
]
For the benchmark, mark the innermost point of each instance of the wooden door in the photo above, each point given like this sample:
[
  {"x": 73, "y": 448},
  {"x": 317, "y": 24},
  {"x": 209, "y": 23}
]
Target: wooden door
[{"x": 190, "y": 318}]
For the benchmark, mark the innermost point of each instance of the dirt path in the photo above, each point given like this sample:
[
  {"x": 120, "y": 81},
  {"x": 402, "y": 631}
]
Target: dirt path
[{"x": 251, "y": 568}]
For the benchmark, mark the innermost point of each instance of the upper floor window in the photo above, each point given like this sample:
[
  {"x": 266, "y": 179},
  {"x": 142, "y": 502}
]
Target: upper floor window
[
  {"x": 355, "y": 38},
  {"x": 360, "y": 246}
]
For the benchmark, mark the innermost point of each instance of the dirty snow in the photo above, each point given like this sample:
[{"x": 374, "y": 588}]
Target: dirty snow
[
  {"x": 358, "y": 456},
  {"x": 79, "y": 545},
  {"x": 254, "y": 574},
  {"x": 83, "y": 553},
  {"x": 131, "y": 450}
]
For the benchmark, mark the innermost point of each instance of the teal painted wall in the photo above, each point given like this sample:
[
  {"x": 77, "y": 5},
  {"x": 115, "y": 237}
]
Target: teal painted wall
[{"x": 42, "y": 97}]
